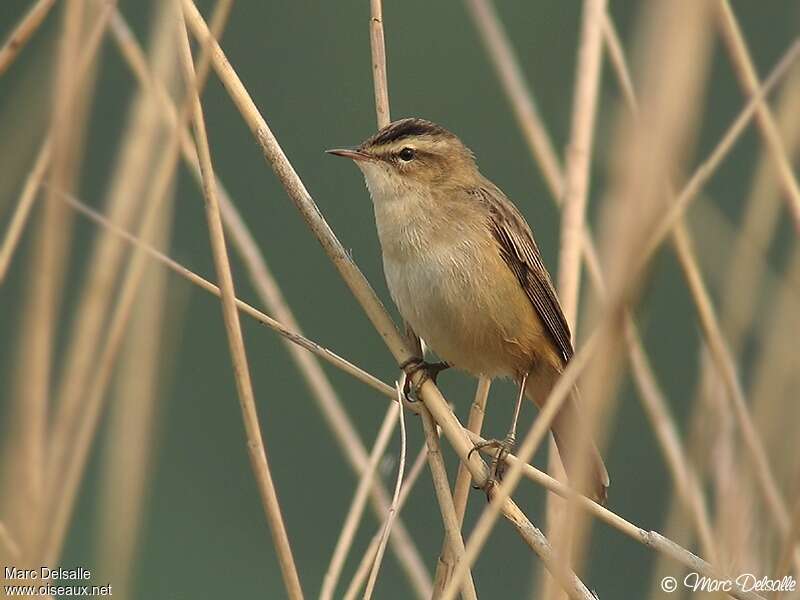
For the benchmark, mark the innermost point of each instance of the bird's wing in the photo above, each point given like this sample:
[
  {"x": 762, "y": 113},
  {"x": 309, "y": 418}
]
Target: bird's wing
[{"x": 520, "y": 252}]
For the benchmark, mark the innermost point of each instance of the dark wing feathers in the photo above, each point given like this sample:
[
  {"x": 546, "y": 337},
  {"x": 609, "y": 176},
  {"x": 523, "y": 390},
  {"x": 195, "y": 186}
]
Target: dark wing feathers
[{"x": 519, "y": 250}]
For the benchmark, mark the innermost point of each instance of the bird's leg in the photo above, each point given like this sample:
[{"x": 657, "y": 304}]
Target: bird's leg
[
  {"x": 506, "y": 445},
  {"x": 429, "y": 371}
]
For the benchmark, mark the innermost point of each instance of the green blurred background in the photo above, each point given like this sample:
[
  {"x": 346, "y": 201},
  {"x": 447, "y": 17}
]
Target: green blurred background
[{"x": 307, "y": 66}]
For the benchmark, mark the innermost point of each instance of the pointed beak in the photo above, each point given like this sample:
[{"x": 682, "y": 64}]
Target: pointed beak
[{"x": 350, "y": 153}]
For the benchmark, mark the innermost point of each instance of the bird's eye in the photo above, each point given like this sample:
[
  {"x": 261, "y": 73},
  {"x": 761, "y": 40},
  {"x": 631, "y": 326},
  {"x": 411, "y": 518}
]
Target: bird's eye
[{"x": 406, "y": 154}]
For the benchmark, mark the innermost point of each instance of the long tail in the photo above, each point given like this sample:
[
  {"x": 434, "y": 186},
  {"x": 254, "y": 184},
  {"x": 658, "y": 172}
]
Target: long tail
[{"x": 569, "y": 431}]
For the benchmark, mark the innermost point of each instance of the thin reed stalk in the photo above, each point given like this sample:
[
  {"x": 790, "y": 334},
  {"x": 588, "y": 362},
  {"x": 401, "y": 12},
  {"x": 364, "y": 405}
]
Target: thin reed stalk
[
  {"x": 579, "y": 157},
  {"x": 748, "y": 78},
  {"x": 499, "y": 495},
  {"x": 269, "y": 292},
  {"x": 687, "y": 483},
  {"x": 573, "y": 216},
  {"x": 451, "y": 522},
  {"x": 352, "y": 276},
  {"x": 358, "y": 504},
  {"x": 673, "y": 58},
  {"x": 759, "y": 222},
  {"x": 132, "y": 443},
  {"x": 364, "y": 566},
  {"x": 512, "y": 79},
  {"x": 647, "y": 386},
  {"x": 51, "y": 245},
  {"x": 67, "y": 463},
  {"x": 23, "y": 210},
  {"x": 450, "y": 519},
  {"x": 241, "y": 369},
  {"x": 529, "y": 471},
  {"x": 726, "y": 366},
  {"x": 774, "y": 373},
  {"x": 394, "y": 507},
  {"x": 461, "y": 488},
  {"x": 379, "y": 77},
  {"x": 24, "y": 30},
  {"x": 706, "y": 169},
  {"x": 256, "y": 314}
]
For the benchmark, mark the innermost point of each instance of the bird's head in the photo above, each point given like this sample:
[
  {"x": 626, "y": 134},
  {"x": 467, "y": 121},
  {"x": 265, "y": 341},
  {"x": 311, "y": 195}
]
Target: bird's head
[{"x": 411, "y": 156}]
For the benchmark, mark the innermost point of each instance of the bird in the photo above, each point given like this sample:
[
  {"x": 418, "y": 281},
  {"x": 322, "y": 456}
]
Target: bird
[{"x": 465, "y": 272}]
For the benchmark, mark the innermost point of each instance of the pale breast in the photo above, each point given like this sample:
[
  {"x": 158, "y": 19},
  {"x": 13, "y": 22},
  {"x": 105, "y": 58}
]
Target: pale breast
[{"x": 461, "y": 298}]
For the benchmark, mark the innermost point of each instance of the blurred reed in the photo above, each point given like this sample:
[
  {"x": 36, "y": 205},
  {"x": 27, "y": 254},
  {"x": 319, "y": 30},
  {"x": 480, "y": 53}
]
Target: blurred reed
[{"x": 73, "y": 366}]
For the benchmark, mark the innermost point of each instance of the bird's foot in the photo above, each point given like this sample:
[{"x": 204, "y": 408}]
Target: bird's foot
[
  {"x": 429, "y": 371},
  {"x": 498, "y": 467}
]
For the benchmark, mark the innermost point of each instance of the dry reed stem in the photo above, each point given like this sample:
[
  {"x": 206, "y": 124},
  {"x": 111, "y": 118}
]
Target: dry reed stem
[
  {"x": 733, "y": 491},
  {"x": 640, "y": 370},
  {"x": 340, "y": 258},
  {"x": 761, "y": 217},
  {"x": 86, "y": 327},
  {"x": 477, "y": 412},
  {"x": 723, "y": 356},
  {"x": 23, "y": 210},
  {"x": 506, "y": 63},
  {"x": 773, "y": 372},
  {"x": 687, "y": 483},
  {"x": 684, "y": 477},
  {"x": 652, "y": 539},
  {"x": 619, "y": 64},
  {"x": 263, "y": 282},
  {"x": 23, "y": 32},
  {"x": 241, "y": 369},
  {"x": 62, "y": 425},
  {"x": 462, "y": 486},
  {"x": 577, "y": 178},
  {"x": 68, "y": 467},
  {"x": 363, "y": 569},
  {"x": 748, "y": 78},
  {"x": 674, "y": 54},
  {"x": 529, "y": 471},
  {"x": 501, "y": 494},
  {"x": 394, "y": 507},
  {"x": 775, "y": 368},
  {"x": 450, "y": 519},
  {"x": 357, "y": 505},
  {"x": 383, "y": 118},
  {"x": 264, "y": 319},
  {"x": 579, "y": 157},
  {"x": 643, "y": 374},
  {"x": 52, "y": 236},
  {"x": 329, "y": 403},
  {"x": 132, "y": 441},
  {"x": 508, "y": 70},
  {"x": 378, "y": 51},
  {"x": 269, "y": 292},
  {"x": 688, "y": 262},
  {"x": 728, "y": 372},
  {"x": 706, "y": 169},
  {"x": 350, "y": 273}
]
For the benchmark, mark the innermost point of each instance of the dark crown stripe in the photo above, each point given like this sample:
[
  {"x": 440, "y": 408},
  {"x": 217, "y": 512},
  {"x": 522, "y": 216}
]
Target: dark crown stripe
[{"x": 406, "y": 128}]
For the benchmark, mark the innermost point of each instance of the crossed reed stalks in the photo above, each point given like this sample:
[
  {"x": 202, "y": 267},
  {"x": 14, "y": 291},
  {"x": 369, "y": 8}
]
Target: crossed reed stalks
[{"x": 47, "y": 457}]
